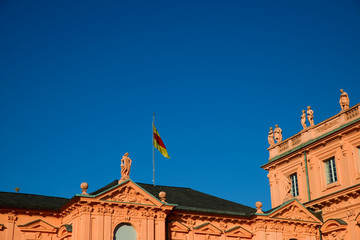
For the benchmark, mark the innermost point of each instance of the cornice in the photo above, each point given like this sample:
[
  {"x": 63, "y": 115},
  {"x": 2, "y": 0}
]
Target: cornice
[
  {"x": 321, "y": 140},
  {"x": 353, "y": 191}
]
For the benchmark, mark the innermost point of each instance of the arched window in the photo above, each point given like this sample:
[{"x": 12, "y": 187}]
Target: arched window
[{"x": 124, "y": 231}]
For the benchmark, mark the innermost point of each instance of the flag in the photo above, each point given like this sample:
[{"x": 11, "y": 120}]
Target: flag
[{"x": 158, "y": 143}]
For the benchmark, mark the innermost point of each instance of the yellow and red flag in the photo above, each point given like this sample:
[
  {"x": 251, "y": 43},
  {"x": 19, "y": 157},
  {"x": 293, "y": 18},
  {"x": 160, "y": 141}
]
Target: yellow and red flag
[{"x": 158, "y": 143}]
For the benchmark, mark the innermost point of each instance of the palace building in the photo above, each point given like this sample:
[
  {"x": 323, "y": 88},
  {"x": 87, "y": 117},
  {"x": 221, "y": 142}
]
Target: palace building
[{"x": 314, "y": 181}]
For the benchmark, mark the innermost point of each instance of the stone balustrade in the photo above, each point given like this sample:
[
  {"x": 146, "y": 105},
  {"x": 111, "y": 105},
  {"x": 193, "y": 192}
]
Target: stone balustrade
[{"x": 313, "y": 132}]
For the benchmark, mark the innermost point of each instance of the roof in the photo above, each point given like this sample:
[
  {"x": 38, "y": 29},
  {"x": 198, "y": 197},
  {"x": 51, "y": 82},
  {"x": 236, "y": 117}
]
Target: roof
[
  {"x": 185, "y": 199},
  {"x": 30, "y": 201},
  {"x": 191, "y": 200}
]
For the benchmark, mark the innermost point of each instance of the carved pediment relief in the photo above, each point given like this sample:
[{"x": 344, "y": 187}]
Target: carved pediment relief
[
  {"x": 239, "y": 232},
  {"x": 176, "y": 226},
  {"x": 208, "y": 229},
  {"x": 294, "y": 211},
  {"x": 38, "y": 226},
  {"x": 130, "y": 193}
]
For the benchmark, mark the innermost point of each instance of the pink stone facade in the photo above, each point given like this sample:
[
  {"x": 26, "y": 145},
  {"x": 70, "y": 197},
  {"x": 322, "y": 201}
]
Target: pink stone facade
[
  {"x": 96, "y": 217},
  {"x": 326, "y": 160},
  {"x": 315, "y": 186}
]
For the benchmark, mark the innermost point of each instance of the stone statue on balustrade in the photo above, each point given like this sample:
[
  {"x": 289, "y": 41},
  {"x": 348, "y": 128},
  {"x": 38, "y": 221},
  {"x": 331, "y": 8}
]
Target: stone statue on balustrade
[
  {"x": 303, "y": 119},
  {"x": 278, "y": 134},
  {"x": 310, "y": 116},
  {"x": 271, "y": 137},
  {"x": 344, "y": 100},
  {"x": 125, "y": 167}
]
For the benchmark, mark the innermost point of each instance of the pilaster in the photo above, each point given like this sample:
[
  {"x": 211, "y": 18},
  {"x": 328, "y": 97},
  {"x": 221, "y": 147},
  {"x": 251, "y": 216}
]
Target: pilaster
[
  {"x": 150, "y": 229},
  {"x": 11, "y": 227}
]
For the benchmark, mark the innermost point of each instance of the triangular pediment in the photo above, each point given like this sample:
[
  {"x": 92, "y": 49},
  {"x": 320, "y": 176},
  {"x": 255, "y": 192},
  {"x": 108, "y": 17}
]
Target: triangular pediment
[
  {"x": 129, "y": 192},
  {"x": 294, "y": 210},
  {"x": 177, "y": 226},
  {"x": 38, "y": 226},
  {"x": 239, "y": 232},
  {"x": 207, "y": 228}
]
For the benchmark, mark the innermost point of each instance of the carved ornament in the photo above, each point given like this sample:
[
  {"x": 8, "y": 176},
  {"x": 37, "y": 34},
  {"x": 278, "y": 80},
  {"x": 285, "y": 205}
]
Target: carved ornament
[
  {"x": 326, "y": 126},
  {"x": 161, "y": 215},
  {"x": 128, "y": 194},
  {"x": 260, "y": 225},
  {"x": 335, "y": 235},
  {"x": 334, "y": 230},
  {"x": 86, "y": 209},
  {"x": 293, "y": 211},
  {"x": 12, "y": 218}
]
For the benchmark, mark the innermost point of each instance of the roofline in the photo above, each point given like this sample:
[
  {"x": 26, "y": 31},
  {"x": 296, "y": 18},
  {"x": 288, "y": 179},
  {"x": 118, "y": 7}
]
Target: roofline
[
  {"x": 204, "y": 210},
  {"x": 113, "y": 187},
  {"x": 270, "y": 161}
]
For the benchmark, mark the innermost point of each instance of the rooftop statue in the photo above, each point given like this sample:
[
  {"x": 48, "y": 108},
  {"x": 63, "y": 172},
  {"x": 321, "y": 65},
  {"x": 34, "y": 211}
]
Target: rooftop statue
[
  {"x": 125, "y": 167},
  {"x": 278, "y": 134},
  {"x": 271, "y": 137},
  {"x": 344, "y": 100},
  {"x": 310, "y": 116},
  {"x": 303, "y": 119}
]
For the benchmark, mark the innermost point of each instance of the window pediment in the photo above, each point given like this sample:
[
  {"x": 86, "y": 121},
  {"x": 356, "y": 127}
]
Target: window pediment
[
  {"x": 177, "y": 226},
  {"x": 208, "y": 229},
  {"x": 64, "y": 231},
  {"x": 239, "y": 232},
  {"x": 333, "y": 225},
  {"x": 38, "y": 226}
]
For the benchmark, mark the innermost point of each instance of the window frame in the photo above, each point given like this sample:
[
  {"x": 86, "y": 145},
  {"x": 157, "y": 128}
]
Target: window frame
[
  {"x": 126, "y": 225},
  {"x": 294, "y": 185},
  {"x": 331, "y": 172}
]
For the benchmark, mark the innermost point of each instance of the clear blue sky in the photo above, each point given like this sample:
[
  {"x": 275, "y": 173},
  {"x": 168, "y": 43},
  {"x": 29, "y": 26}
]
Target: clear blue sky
[{"x": 79, "y": 81}]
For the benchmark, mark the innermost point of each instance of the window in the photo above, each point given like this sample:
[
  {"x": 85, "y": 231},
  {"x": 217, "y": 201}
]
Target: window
[
  {"x": 294, "y": 185},
  {"x": 124, "y": 232},
  {"x": 330, "y": 170}
]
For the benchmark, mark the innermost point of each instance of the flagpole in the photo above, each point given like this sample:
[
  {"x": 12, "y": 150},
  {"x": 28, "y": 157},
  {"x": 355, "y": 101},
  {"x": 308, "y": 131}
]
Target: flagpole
[{"x": 153, "y": 149}]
